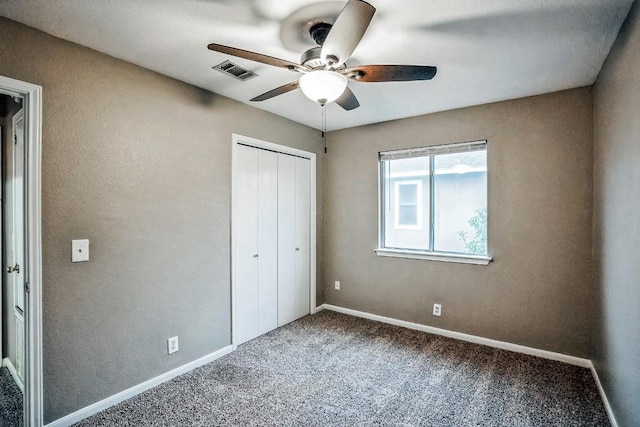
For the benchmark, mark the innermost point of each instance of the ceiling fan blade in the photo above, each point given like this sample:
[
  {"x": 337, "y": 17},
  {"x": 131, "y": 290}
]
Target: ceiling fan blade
[
  {"x": 277, "y": 91},
  {"x": 348, "y": 100},
  {"x": 390, "y": 73},
  {"x": 257, "y": 57},
  {"x": 347, "y": 32}
]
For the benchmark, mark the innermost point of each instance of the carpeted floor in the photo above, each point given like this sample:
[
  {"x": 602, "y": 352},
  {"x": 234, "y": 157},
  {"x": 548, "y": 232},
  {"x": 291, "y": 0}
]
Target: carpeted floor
[
  {"x": 10, "y": 400},
  {"x": 331, "y": 369}
]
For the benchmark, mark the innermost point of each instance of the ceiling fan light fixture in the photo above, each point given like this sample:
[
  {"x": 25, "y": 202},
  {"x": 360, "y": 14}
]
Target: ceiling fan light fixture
[{"x": 323, "y": 86}]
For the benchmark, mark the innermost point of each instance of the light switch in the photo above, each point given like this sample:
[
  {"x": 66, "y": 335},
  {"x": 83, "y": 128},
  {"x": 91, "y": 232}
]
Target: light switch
[{"x": 79, "y": 250}]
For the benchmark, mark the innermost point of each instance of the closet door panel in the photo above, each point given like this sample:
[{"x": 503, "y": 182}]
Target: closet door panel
[
  {"x": 286, "y": 239},
  {"x": 302, "y": 227},
  {"x": 246, "y": 247},
  {"x": 267, "y": 241}
]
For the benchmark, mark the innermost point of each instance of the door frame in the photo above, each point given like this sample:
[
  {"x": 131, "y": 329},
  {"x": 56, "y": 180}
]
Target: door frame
[
  {"x": 32, "y": 96},
  {"x": 257, "y": 143}
]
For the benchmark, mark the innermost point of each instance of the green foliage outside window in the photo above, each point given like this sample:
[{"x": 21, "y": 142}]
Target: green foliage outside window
[{"x": 478, "y": 243}]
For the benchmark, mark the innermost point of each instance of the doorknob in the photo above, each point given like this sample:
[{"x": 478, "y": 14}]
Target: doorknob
[
  {"x": 297, "y": 249},
  {"x": 255, "y": 256},
  {"x": 15, "y": 268}
]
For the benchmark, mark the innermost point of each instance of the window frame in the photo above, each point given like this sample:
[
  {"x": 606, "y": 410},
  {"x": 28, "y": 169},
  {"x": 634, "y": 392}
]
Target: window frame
[{"x": 431, "y": 152}]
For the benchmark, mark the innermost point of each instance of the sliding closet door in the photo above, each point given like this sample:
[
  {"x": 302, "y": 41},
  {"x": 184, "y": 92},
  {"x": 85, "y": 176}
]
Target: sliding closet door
[
  {"x": 267, "y": 241},
  {"x": 256, "y": 249},
  {"x": 271, "y": 240},
  {"x": 302, "y": 251},
  {"x": 286, "y": 238},
  {"x": 246, "y": 243},
  {"x": 293, "y": 238}
]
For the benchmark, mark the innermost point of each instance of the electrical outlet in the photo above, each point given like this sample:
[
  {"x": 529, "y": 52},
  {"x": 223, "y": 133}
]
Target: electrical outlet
[
  {"x": 337, "y": 285},
  {"x": 172, "y": 345},
  {"x": 437, "y": 309}
]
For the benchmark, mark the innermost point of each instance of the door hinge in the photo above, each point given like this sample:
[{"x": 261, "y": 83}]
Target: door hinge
[
  {"x": 15, "y": 139},
  {"x": 27, "y": 288}
]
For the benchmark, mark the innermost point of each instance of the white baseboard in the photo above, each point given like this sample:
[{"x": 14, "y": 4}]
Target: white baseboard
[
  {"x": 6, "y": 362},
  {"x": 572, "y": 360},
  {"x": 137, "y": 389},
  {"x": 603, "y": 395}
]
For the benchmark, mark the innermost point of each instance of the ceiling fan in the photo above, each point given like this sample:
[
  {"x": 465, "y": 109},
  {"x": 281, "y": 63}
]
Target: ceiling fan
[{"x": 324, "y": 71}]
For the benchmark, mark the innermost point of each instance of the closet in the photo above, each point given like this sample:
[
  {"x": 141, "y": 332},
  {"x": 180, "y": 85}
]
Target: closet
[{"x": 272, "y": 239}]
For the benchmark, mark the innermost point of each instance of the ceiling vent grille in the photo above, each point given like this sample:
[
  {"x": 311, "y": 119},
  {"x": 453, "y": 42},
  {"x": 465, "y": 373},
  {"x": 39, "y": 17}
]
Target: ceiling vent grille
[{"x": 235, "y": 71}]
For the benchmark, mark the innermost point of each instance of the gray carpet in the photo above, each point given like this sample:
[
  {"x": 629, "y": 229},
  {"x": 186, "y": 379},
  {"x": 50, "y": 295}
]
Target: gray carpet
[
  {"x": 10, "y": 400},
  {"x": 333, "y": 369}
]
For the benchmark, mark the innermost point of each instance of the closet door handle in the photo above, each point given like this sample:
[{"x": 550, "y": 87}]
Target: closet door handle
[
  {"x": 297, "y": 249},
  {"x": 255, "y": 256}
]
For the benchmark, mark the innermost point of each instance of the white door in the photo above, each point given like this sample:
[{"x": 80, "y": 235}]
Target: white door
[
  {"x": 14, "y": 245},
  {"x": 16, "y": 250},
  {"x": 271, "y": 240},
  {"x": 246, "y": 244},
  {"x": 256, "y": 249},
  {"x": 293, "y": 237},
  {"x": 302, "y": 250},
  {"x": 267, "y": 241}
]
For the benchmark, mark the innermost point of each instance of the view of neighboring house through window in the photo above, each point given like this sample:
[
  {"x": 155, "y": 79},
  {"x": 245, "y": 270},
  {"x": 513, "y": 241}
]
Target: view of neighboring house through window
[
  {"x": 408, "y": 204},
  {"x": 434, "y": 199}
]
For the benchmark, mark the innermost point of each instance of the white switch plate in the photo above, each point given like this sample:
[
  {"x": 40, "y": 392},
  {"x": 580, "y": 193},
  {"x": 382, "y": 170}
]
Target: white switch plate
[
  {"x": 337, "y": 285},
  {"x": 80, "y": 250}
]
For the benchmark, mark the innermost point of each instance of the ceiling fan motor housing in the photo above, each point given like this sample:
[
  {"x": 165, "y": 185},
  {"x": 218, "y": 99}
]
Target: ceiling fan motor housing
[{"x": 311, "y": 58}]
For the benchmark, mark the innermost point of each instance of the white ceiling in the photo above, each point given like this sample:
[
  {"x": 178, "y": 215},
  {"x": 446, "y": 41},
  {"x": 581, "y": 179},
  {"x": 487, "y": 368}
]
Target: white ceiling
[{"x": 485, "y": 50}]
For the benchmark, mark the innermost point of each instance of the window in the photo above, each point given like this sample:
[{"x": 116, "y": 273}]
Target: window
[
  {"x": 433, "y": 202},
  {"x": 408, "y": 205}
]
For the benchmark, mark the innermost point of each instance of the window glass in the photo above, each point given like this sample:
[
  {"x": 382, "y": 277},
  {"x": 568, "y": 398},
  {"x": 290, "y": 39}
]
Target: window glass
[
  {"x": 435, "y": 199},
  {"x": 460, "y": 202},
  {"x": 406, "y": 188}
]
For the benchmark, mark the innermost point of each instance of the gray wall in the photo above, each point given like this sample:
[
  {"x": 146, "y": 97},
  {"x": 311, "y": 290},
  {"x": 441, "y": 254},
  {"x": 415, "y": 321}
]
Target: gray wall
[
  {"x": 538, "y": 290},
  {"x": 140, "y": 164},
  {"x": 616, "y": 351}
]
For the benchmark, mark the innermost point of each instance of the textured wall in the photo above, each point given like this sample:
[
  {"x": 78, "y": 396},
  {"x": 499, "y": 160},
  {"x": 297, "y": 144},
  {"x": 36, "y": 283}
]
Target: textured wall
[
  {"x": 616, "y": 219},
  {"x": 538, "y": 290},
  {"x": 141, "y": 165}
]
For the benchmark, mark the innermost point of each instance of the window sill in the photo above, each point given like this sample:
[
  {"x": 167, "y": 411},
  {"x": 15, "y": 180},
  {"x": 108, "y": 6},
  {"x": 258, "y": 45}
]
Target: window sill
[{"x": 434, "y": 256}]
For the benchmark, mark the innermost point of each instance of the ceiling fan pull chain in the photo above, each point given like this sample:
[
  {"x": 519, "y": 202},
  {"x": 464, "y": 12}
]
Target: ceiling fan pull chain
[{"x": 324, "y": 126}]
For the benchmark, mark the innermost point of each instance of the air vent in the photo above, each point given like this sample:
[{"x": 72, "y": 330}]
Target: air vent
[{"x": 235, "y": 71}]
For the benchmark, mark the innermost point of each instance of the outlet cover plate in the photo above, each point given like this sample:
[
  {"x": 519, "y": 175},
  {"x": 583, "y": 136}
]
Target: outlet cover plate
[
  {"x": 172, "y": 345},
  {"x": 437, "y": 309}
]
